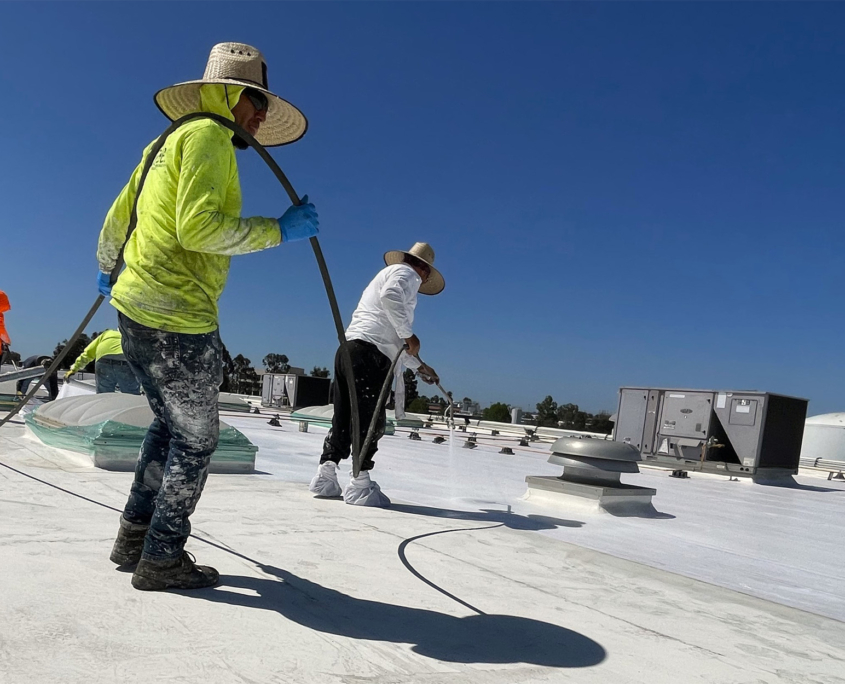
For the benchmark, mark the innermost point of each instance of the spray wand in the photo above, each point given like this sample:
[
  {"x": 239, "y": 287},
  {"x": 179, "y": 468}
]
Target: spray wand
[{"x": 435, "y": 380}]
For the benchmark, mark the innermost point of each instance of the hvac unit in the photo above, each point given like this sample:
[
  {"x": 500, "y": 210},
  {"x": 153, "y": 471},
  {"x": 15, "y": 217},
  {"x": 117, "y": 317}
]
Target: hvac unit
[
  {"x": 286, "y": 390},
  {"x": 750, "y": 433}
]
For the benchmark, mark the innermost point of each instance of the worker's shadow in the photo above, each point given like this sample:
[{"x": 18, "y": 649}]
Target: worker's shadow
[
  {"x": 506, "y": 518},
  {"x": 469, "y": 639}
]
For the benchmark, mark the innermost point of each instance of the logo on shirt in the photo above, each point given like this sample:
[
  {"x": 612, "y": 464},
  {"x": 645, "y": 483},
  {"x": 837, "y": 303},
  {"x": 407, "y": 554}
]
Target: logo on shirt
[{"x": 159, "y": 160}]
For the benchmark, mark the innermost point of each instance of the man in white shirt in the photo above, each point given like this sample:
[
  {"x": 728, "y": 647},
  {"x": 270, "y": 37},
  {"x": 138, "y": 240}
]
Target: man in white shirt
[{"x": 381, "y": 326}]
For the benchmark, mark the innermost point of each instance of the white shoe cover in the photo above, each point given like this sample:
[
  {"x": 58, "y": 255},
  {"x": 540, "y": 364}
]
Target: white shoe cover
[
  {"x": 325, "y": 481},
  {"x": 362, "y": 491}
]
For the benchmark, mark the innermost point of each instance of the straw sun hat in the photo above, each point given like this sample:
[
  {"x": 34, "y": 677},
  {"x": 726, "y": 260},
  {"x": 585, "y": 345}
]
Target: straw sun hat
[
  {"x": 422, "y": 251},
  {"x": 239, "y": 65}
]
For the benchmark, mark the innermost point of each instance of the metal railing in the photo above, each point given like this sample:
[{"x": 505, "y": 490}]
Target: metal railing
[{"x": 835, "y": 469}]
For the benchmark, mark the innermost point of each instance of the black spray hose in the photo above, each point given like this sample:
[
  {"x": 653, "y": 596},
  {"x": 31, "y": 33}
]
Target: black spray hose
[
  {"x": 315, "y": 245},
  {"x": 382, "y": 397},
  {"x": 380, "y": 403}
]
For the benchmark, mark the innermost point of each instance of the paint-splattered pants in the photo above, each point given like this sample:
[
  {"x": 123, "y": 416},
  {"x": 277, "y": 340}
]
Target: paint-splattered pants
[
  {"x": 181, "y": 376},
  {"x": 370, "y": 368}
]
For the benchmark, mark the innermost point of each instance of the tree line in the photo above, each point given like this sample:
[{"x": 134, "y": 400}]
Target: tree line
[
  {"x": 549, "y": 413},
  {"x": 240, "y": 377},
  {"x": 570, "y": 417},
  {"x": 419, "y": 403}
]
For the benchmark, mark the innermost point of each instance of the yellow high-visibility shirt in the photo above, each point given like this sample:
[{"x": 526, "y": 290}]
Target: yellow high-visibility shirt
[{"x": 189, "y": 225}]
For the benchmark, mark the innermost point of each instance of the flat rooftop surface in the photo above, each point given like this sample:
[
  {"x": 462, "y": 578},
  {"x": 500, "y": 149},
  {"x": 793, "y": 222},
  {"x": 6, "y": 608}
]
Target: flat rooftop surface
[{"x": 460, "y": 581}]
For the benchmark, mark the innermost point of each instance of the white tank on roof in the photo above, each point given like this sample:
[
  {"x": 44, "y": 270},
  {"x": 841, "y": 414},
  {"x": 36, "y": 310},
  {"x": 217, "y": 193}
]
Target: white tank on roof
[{"x": 824, "y": 437}]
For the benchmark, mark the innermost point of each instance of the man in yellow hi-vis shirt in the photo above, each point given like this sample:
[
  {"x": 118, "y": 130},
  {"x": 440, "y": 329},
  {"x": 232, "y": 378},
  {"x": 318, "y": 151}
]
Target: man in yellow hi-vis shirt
[
  {"x": 110, "y": 366},
  {"x": 177, "y": 262}
]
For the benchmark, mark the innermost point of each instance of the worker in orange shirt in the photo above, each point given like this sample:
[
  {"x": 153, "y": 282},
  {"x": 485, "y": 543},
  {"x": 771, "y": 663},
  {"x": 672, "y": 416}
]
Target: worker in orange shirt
[{"x": 5, "y": 340}]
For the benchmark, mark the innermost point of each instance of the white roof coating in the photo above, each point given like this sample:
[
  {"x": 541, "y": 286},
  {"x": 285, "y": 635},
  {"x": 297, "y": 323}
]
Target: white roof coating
[{"x": 460, "y": 582}]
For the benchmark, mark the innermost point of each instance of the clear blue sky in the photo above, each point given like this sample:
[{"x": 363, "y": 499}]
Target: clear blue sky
[{"x": 618, "y": 193}]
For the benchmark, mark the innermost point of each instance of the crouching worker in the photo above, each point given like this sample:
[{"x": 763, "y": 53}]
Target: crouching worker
[
  {"x": 110, "y": 366},
  {"x": 51, "y": 383},
  {"x": 381, "y": 325},
  {"x": 177, "y": 262}
]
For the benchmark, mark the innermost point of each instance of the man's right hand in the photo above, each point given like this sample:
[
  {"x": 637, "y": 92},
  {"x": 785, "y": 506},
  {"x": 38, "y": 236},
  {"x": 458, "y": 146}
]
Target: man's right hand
[
  {"x": 413, "y": 343},
  {"x": 427, "y": 374}
]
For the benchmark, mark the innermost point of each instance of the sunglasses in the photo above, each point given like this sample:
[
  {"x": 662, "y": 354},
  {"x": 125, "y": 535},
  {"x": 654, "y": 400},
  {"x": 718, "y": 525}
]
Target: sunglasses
[{"x": 257, "y": 98}]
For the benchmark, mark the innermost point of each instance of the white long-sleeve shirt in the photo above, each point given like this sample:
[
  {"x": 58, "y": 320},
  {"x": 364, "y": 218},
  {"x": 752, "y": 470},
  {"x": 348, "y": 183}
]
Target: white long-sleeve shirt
[{"x": 385, "y": 314}]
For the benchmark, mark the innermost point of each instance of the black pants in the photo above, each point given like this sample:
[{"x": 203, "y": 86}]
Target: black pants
[{"x": 370, "y": 368}]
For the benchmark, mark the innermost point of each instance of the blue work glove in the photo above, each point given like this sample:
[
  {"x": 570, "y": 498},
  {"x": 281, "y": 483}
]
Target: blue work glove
[
  {"x": 103, "y": 284},
  {"x": 299, "y": 223}
]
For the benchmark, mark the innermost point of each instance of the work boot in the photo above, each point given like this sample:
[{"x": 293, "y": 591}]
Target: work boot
[
  {"x": 179, "y": 573},
  {"x": 129, "y": 543},
  {"x": 362, "y": 491},
  {"x": 325, "y": 482}
]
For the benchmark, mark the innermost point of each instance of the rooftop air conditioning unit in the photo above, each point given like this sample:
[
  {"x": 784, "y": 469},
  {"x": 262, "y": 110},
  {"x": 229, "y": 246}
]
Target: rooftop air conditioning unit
[
  {"x": 748, "y": 433},
  {"x": 281, "y": 390}
]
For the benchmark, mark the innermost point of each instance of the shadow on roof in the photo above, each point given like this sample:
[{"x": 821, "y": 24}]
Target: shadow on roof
[
  {"x": 512, "y": 520},
  {"x": 480, "y": 638}
]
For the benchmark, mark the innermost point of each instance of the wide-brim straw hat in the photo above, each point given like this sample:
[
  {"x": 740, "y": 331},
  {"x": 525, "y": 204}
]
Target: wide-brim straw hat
[
  {"x": 237, "y": 64},
  {"x": 422, "y": 251}
]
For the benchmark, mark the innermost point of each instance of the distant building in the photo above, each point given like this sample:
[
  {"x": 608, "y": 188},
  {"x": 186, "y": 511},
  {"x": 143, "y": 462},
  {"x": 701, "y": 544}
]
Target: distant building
[{"x": 469, "y": 408}]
